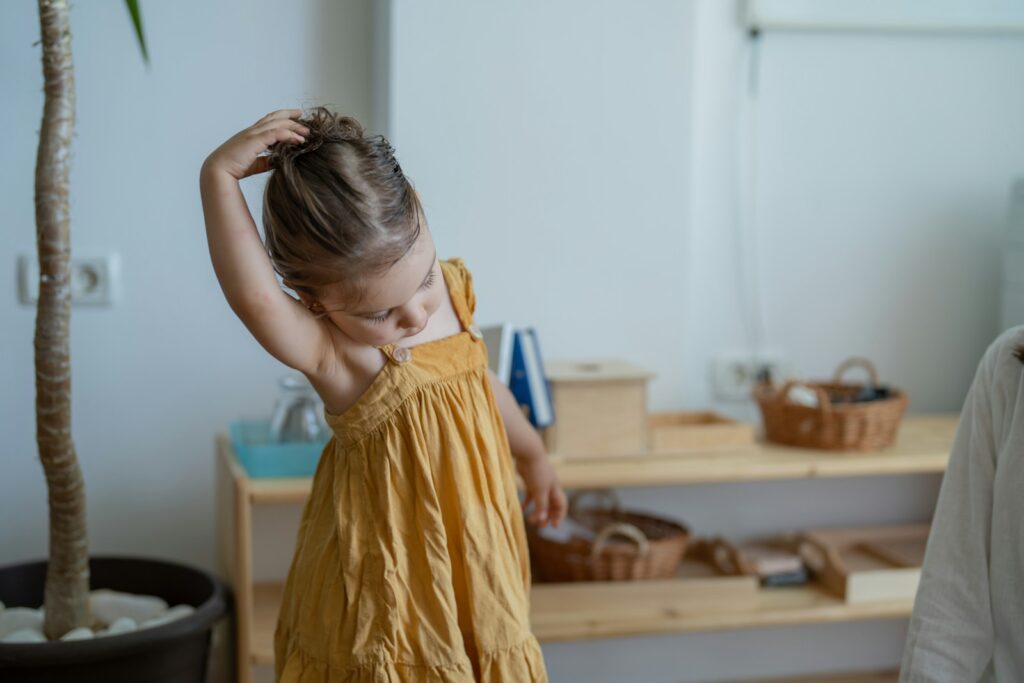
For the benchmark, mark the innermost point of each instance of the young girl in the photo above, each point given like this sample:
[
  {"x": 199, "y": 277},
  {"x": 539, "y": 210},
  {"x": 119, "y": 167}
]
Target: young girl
[{"x": 411, "y": 562}]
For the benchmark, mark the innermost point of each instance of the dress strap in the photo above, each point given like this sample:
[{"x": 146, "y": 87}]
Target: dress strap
[
  {"x": 399, "y": 355},
  {"x": 460, "y": 285}
]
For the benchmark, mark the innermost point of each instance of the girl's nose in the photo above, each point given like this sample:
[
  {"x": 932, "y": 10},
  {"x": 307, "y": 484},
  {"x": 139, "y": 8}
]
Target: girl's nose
[{"x": 414, "y": 318}]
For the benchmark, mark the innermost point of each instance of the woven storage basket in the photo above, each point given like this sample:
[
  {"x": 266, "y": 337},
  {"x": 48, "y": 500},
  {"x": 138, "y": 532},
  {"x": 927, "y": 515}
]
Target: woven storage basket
[
  {"x": 653, "y": 547},
  {"x": 832, "y": 424}
]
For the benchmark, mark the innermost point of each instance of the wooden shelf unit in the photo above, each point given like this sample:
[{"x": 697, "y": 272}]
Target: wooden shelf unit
[
  {"x": 605, "y": 609},
  {"x": 870, "y": 677},
  {"x": 923, "y": 446}
]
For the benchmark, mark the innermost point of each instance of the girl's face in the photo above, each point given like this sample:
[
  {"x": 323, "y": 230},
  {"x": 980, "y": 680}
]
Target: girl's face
[{"x": 397, "y": 304}]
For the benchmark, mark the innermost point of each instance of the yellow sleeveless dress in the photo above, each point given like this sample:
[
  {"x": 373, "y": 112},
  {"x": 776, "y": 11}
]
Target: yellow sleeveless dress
[{"x": 411, "y": 562}]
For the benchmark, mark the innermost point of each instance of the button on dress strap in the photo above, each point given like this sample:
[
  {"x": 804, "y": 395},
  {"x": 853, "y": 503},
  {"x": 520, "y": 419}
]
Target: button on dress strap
[{"x": 396, "y": 354}]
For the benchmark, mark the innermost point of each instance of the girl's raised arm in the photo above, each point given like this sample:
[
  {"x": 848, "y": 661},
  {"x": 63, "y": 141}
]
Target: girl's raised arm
[{"x": 280, "y": 324}]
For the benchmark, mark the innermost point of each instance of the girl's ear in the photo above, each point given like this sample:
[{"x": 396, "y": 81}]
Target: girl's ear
[{"x": 307, "y": 299}]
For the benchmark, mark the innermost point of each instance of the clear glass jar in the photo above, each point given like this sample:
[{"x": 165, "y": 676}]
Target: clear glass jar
[{"x": 299, "y": 413}]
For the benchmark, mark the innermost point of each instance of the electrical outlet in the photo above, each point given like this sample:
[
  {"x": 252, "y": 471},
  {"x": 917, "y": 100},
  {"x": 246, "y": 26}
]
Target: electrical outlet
[
  {"x": 733, "y": 376},
  {"x": 95, "y": 279}
]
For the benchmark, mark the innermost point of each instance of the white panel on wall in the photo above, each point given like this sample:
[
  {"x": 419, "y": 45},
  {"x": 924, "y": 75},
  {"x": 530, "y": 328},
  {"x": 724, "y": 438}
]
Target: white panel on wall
[
  {"x": 550, "y": 145},
  {"x": 887, "y": 15}
]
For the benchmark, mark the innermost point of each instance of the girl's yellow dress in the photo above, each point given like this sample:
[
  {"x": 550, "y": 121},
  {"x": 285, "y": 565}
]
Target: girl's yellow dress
[{"x": 411, "y": 562}]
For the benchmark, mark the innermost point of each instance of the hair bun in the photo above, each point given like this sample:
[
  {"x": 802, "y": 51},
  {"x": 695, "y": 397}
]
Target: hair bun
[{"x": 325, "y": 127}]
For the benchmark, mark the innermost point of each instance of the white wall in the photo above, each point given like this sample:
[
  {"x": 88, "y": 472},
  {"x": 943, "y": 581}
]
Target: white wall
[
  {"x": 578, "y": 155},
  {"x": 158, "y": 375},
  {"x": 884, "y": 168},
  {"x": 581, "y": 156},
  {"x": 550, "y": 143}
]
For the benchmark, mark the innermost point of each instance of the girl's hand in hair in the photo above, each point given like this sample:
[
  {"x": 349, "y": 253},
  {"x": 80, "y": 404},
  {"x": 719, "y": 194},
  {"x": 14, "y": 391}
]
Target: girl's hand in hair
[{"x": 242, "y": 155}]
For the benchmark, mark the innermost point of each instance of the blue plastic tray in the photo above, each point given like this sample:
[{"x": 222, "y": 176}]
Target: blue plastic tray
[{"x": 262, "y": 458}]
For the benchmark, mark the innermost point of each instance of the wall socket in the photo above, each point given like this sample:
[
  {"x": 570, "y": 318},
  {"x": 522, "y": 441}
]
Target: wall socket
[
  {"x": 734, "y": 375},
  {"x": 95, "y": 279}
]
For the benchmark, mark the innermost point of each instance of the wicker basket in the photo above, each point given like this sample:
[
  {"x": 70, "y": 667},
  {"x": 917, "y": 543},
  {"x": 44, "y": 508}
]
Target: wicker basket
[
  {"x": 832, "y": 424},
  {"x": 653, "y": 549}
]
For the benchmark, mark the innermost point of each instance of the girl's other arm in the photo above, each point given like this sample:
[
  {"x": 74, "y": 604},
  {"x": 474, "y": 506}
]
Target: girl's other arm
[
  {"x": 280, "y": 324},
  {"x": 542, "y": 488}
]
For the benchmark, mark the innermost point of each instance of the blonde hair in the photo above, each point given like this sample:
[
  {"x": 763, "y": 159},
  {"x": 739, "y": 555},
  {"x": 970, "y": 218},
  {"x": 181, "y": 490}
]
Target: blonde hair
[{"x": 337, "y": 208}]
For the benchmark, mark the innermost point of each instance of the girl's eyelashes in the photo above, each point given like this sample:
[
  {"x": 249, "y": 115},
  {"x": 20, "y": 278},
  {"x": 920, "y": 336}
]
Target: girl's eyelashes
[{"x": 384, "y": 315}]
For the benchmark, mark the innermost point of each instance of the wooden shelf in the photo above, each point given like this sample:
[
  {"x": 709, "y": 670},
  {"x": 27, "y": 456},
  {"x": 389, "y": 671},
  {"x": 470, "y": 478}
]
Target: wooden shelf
[
  {"x": 923, "y": 446},
  {"x": 563, "y": 612},
  {"x": 869, "y": 677},
  {"x": 649, "y": 612},
  {"x": 634, "y": 608},
  {"x": 266, "y": 602}
]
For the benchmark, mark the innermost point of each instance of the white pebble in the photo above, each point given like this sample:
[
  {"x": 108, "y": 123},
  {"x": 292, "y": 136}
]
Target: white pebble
[
  {"x": 80, "y": 633},
  {"x": 108, "y": 606},
  {"x": 173, "y": 614},
  {"x": 120, "y": 625},
  {"x": 24, "y": 635},
  {"x": 18, "y": 618}
]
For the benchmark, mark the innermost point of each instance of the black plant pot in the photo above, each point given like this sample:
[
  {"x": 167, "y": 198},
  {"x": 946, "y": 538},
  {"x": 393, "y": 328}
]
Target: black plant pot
[{"x": 172, "y": 653}]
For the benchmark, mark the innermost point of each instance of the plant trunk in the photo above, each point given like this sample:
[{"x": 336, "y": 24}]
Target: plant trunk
[{"x": 67, "y": 579}]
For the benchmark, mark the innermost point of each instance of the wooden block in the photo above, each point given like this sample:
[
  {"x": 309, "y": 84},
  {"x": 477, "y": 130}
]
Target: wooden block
[
  {"x": 868, "y": 564},
  {"x": 703, "y": 431},
  {"x": 906, "y": 552},
  {"x": 600, "y": 409}
]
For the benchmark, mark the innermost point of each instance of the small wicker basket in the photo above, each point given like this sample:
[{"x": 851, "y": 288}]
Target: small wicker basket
[
  {"x": 836, "y": 422},
  {"x": 654, "y": 547}
]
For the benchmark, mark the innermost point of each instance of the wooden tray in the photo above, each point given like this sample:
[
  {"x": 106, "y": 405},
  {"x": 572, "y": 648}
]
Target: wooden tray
[
  {"x": 866, "y": 564},
  {"x": 681, "y": 431}
]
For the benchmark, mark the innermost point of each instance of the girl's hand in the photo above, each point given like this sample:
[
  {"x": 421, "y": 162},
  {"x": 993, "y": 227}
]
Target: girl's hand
[
  {"x": 542, "y": 490},
  {"x": 240, "y": 156}
]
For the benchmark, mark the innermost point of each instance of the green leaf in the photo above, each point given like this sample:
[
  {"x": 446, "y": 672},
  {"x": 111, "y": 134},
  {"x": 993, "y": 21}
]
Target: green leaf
[{"x": 133, "y": 9}]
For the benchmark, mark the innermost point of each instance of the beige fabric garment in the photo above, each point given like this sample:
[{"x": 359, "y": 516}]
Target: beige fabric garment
[{"x": 968, "y": 622}]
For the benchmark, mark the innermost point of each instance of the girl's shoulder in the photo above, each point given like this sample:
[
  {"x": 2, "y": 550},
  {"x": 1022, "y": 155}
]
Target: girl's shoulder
[{"x": 459, "y": 276}]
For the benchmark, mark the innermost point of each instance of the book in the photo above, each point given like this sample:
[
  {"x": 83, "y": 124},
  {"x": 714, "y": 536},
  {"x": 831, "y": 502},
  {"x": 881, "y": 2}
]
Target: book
[
  {"x": 514, "y": 356},
  {"x": 528, "y": 383},
  {"x": 498, "y": 339}
]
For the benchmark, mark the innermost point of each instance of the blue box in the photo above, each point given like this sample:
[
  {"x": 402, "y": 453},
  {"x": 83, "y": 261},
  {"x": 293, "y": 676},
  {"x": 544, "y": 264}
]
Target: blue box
[{"x": 263, "y": 458}]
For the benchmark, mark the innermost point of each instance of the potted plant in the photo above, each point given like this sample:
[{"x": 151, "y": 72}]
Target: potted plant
[{"x": 172, "y": 649}]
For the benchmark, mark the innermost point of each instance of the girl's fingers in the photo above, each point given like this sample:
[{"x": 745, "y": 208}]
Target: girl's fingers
[
  {"x": 295, "y": 126},
  {"x": 282, "y": 114},
  {"x": 558, "y": 506},
  {"x": 541, "y": 512},
  {"x": 527, "y": 500},
  {"x": 280, "y": 135}
]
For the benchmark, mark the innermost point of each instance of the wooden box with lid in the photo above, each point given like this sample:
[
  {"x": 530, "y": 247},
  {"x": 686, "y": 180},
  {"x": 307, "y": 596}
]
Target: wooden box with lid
[{"x": 600, "y": 408}]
